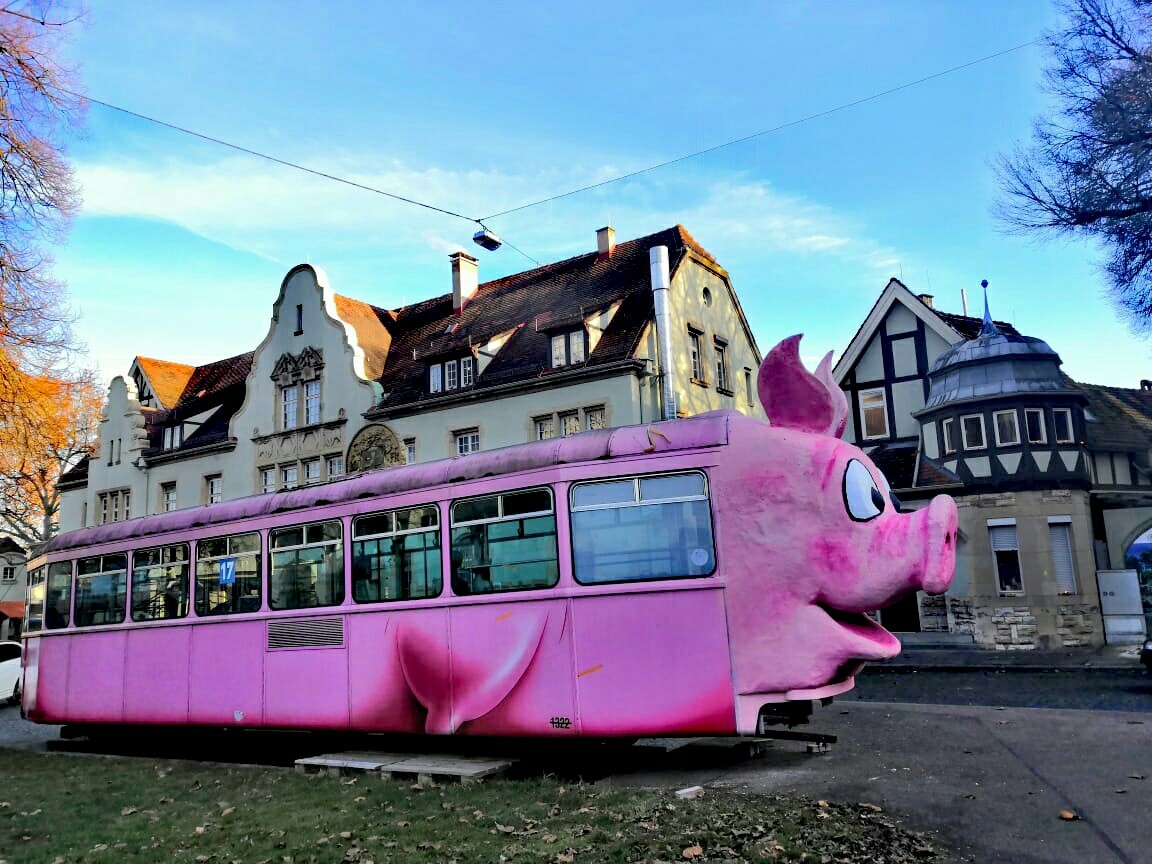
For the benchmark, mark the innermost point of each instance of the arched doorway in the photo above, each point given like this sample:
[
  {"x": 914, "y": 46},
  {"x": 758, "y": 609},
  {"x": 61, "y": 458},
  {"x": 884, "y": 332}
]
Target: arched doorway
[{"x": 1138, "y": 557}]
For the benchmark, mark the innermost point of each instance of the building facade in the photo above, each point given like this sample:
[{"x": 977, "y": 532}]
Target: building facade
[
  {"x": 1051, "y": 476},
  {"x": 13, "y": 587},
  {"x": 338, "y": 385}
]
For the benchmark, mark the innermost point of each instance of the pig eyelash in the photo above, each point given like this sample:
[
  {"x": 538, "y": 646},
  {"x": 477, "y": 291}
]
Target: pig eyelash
[{"x": 862, "y": 497}]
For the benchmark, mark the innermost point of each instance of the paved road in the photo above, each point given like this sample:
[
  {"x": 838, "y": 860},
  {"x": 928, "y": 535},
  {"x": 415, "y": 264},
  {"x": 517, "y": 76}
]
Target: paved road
[
  {"x": 990, "y": 783},
  {"x": 1109, "y": 690},
  {"x": 949, "y": 753}
]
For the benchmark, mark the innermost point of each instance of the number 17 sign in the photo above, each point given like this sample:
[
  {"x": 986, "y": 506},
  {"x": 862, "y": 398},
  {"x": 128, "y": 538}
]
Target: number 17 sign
[{"x": 227, "y": 571}]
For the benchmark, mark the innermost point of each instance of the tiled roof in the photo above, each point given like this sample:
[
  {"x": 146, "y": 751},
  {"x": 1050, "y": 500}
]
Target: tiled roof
[
  {"x": 969, "y": 327},
  {"x": 168, "y": 379},
  {"x": 932, "y": 473},
  {"x": 530, "y": 305},
  {"x": 78, "y": 473},
  {"x": 1123, "y": 418},
  {"x": 372, "y": 331},
  {"x": 213, "y": 378},
  {"x": 897, "y": 462},
  {"x": 220, "y": 386},
  {"x": 904, "y": 465}
]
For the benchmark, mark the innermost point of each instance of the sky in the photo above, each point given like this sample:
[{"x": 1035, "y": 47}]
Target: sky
[{"x": 180, "y": 246}]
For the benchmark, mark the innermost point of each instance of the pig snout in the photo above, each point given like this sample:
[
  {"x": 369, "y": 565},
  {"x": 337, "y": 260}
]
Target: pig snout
[
  {"x": 907, "y": 552},
  {"x": 938, "y": 528}
]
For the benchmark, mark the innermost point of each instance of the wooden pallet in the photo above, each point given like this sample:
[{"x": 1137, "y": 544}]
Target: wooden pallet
[{"x": 423, "y": 768}]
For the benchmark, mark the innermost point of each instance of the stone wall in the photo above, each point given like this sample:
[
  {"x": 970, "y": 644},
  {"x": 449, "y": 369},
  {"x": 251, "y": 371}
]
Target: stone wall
[
  {"x": 933, "y": 614},
  {"x": 962, "y": 614},
  {"x": 1015, "y": 628},
  {"x": 1076, "y": 624}
]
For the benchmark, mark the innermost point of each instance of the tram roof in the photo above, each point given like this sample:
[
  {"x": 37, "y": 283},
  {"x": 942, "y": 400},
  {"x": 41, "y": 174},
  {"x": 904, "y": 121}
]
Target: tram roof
[{"x": 703, "y": 430}]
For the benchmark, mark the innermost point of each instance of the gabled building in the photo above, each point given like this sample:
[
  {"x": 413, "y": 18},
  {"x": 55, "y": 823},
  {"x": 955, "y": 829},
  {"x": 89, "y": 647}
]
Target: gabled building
[
  {"x": 339, "y": 385},
  {"x": 1050, "y": 476},
  {"x": 13, "y": 586}
]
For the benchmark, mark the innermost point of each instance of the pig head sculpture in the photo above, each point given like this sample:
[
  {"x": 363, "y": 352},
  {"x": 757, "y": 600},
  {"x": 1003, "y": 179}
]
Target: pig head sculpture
[{"x": 822, "y": 538}]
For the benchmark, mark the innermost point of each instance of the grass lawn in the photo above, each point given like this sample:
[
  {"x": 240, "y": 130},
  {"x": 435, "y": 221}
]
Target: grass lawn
[{"x": 64, "y": 808}]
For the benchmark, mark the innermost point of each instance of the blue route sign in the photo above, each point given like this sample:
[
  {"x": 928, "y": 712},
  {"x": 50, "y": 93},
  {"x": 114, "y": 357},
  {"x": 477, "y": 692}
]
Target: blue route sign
[{"x": 227, "y": 571}]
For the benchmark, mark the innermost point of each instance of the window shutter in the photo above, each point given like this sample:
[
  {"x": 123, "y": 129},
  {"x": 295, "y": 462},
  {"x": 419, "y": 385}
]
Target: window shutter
[
  {"x": 1062, "y": 558},
  {"x": 1003, "y": 537}
]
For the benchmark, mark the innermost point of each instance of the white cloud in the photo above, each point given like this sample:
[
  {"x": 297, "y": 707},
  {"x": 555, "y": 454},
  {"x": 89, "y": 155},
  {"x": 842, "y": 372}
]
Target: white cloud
[{"x": 283, "y": 215}]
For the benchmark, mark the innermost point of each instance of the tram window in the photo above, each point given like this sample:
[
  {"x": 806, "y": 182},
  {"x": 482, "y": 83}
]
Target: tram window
[
  {"x": 160, "y": 583},
  {"x": 101, "y": 589},
  {"x": 307, "y": 566},
  {"x": 396, "y": 555},
  {"x": 504, "y": 543},
  {"x": 58, "y": 598},
  {"x": 34, "y": 612},
  {"x": 642, "y": 528},
  {"x": 228, "y": 574}
]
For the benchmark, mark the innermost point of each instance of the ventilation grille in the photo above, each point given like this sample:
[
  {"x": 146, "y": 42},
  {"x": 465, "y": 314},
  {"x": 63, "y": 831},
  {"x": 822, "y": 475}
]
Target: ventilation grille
[{"x": 306, "y": 633}]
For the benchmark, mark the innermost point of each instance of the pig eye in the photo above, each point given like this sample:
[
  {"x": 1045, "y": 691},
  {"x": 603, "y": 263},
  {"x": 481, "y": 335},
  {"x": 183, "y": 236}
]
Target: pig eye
[{"x": 862, "y": 497}]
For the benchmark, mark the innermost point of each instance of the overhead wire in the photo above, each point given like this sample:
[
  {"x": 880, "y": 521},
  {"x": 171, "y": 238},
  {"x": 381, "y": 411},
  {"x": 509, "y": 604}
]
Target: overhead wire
[
  {"x": 481, "y": 220},
  {"x": 842, "y": 107}
]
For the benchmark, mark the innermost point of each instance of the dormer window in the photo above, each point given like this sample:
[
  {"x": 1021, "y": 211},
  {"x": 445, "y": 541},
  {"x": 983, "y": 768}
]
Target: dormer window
[
  {"x": 173, "y": 436},
  {"x": 451, "y": 374},
  {"x": 568, "y": 348}
]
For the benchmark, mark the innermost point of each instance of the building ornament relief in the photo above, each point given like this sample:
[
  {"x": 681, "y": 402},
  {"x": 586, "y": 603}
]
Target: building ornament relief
[
  {"x": 292, "y": 368},
  {"x": 375, "y": 446},
  {"x": 309, "y": 441}
]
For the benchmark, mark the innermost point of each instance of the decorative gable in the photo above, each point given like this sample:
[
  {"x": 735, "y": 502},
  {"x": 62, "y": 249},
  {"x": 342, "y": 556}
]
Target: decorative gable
[{"x": 292, "y": 368}]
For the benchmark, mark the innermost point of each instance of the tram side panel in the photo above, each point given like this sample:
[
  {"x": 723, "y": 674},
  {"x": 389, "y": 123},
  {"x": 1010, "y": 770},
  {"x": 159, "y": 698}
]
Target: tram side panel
[
  {"x": 226, "y": 675},
  {"x": 306, "y": 684},
  {"x": 96, "y": 676},
  {"x": 512, "y": 669},
  {"x": 653, "y": 664},
  {"x": 156, "y": 675},
  {"x": 380, "y": 664}
]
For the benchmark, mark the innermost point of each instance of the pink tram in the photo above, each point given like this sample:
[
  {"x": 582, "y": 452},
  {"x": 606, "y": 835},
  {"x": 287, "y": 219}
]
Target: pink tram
[{"x": 699, "y": 576}]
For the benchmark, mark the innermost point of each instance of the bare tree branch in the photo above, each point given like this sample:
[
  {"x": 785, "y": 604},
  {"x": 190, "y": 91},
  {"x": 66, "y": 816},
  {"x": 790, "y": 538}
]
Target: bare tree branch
[{"x": 1088, "y": 171}]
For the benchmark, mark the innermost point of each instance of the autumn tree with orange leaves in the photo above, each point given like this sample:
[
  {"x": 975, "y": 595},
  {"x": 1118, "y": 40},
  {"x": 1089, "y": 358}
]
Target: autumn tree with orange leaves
[
  {"x": 47, "y": 408},
  {"x": 54, "y": 428}
]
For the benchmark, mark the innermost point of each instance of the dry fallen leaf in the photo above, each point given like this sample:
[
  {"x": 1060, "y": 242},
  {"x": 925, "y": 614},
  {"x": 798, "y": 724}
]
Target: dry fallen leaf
[
  {"x": 692, "y": 852},
  {"x": 1069, "y": 816},
  {"x": 127, "y": 811},
  {"x": 227, "y": 811}
]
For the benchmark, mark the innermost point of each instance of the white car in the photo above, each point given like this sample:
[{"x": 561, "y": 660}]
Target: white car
[{"x": 10, "y": 672}]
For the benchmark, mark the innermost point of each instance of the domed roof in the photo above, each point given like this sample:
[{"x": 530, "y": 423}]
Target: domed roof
[{"x": 994, "y": 364}]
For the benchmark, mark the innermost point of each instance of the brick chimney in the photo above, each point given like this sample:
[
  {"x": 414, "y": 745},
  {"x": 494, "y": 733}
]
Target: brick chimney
[
  {"x": 605, "y": 241},
  {"x": 465, "y": 279},
  {"x": 926, "y": 299}
]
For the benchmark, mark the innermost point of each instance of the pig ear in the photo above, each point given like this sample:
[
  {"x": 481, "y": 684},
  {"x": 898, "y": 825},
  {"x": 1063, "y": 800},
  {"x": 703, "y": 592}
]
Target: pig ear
[
  {"x": 839, "y": 401},
  {"x": 795, "y": 398}
]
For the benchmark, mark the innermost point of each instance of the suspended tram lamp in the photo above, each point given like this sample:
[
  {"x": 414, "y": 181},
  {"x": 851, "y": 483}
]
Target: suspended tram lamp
[{"x": 487, "y": 239}]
